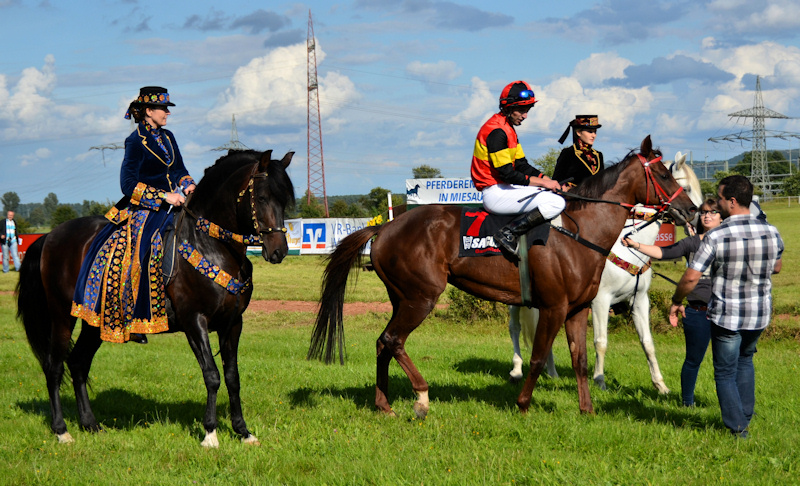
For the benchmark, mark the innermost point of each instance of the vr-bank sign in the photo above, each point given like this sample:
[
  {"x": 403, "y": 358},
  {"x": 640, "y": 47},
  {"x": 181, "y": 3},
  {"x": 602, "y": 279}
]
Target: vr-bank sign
[
  {"x": 442, "y": 191},
  {"x": 320, "y": 236}
]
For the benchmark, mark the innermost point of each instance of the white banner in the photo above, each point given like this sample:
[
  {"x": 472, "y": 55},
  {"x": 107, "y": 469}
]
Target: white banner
[
  {"x": 442, "y": 191},
  {"x": 317, "y": 235},
  {"x": 321, "y": 235}
]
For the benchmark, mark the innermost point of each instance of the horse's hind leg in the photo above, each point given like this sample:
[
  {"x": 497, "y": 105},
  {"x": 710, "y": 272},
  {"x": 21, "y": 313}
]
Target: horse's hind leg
[
  {"x": 53, "y": 367},
  {"x": 229, "y": 350},
  {"x": 514, "y": 329},
  {"x": 79, "y": 362},
  {"x": 641, "y": 320},
  {"x": 391, "y": 344},
  {"x": 600, "y": 307}
]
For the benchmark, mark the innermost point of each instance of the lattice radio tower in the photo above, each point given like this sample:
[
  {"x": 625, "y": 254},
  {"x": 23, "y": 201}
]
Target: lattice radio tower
[
  {"x": 234, "y": 143},
  {"x": 316, "y": 163},
  {"x": 759, "y": 175}
]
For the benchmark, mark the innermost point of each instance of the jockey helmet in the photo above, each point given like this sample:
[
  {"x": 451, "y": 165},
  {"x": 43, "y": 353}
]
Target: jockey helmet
[{"x": 518, "y": 93}]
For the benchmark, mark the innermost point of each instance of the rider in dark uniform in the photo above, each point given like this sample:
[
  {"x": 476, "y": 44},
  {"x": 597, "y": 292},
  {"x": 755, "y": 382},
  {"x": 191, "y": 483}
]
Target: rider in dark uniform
[{"x": 580, "y": 160}]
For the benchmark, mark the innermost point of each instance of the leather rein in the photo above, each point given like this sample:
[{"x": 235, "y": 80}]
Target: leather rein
[
  {"x": 203, "y": 225},
  {"x": 664, "y": 204}
]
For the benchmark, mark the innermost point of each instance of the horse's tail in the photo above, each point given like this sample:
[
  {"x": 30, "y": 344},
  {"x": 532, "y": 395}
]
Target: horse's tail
[
  {"x": 32, "y": 301},
  {"x": 328, "y": 332}
]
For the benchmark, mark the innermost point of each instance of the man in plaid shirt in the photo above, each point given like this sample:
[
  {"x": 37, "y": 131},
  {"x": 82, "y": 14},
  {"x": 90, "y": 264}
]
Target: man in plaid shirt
[{"x": 743, "y": 253}]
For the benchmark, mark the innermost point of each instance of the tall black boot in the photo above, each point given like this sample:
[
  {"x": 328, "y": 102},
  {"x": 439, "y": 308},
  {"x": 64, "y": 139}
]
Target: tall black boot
[
  {"x": 507, "y": 237},
  {"x": 138, "y": 338}
]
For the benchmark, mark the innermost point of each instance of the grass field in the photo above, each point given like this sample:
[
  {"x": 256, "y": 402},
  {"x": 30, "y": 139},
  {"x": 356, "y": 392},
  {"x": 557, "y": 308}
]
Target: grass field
[{"x": 317, "y": 423}]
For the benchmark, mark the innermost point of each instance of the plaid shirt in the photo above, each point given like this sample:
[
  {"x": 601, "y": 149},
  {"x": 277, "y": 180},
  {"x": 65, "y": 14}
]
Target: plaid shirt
[{"x": 741, "y": 252}]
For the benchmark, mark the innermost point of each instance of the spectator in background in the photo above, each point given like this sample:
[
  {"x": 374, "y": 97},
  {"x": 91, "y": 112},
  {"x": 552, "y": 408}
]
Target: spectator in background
[{"x": 9, "y": 241}]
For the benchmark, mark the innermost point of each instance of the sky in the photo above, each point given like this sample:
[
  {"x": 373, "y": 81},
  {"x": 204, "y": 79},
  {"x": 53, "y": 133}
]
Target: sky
[{"x": 402, "y": 83}]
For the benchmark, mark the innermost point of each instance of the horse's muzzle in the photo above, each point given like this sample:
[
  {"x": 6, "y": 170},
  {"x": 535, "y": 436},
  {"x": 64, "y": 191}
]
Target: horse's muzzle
[
  {"x": 275, "y": 256},
  {"x": 682, "y": 216}
]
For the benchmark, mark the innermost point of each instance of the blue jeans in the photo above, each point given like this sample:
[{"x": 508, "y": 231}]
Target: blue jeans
[
  {"x": 734, "y": 375},
  {"x": 697, "y": 330},
  {"x": 12, "y": 249}
]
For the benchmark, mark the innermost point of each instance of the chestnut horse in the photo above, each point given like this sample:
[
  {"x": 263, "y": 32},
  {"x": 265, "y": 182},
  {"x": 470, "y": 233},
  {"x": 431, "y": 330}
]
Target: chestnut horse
[
  {"x": 416, "y": 256},
  {"x": 242, "y": 198}
]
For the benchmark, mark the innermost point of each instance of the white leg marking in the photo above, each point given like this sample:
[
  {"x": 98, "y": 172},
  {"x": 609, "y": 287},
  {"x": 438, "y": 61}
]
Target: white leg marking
[
  {"x": 211, "y": 440},
  {"x": 65, "y": 438}
]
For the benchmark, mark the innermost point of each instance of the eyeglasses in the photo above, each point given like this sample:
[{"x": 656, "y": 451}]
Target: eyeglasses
[
  {"x": 711, "y": 212},
  {"x": 525, "y": 94}
]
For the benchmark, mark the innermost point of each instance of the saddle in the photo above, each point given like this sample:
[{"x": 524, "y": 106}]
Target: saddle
[{"x": 479, "y": 226}]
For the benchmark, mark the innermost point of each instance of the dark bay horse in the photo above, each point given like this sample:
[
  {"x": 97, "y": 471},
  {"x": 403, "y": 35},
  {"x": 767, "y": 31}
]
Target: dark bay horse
[
  {"x": 416, "y": 256},
  {"x": 243, "y": 197}
]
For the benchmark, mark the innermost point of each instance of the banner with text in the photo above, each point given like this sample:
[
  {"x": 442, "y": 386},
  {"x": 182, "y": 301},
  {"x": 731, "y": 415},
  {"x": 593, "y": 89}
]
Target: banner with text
[
  {"x": 317, "y": 235},
  {"x": 442, "y": 191},
  {"x": 321, "y": 235}
]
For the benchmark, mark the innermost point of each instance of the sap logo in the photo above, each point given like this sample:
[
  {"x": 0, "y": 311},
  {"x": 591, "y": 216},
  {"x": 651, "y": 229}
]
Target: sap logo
[
  {"x": 475, "y": 243},
  {"x": 314, "y": 236}
]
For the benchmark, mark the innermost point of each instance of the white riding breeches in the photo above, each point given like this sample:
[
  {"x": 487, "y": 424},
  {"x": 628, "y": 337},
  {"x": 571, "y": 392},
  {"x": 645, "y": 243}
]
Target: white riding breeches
[{"x": 504, "y": 199}]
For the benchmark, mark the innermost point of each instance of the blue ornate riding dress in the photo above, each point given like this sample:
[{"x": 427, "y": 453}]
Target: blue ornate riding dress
[{"x": 120, "y": 286}]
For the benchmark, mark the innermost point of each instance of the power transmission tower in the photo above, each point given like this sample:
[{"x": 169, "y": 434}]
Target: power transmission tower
[
  {"x": 759, "y": 175},
  {"x": 316, "y": 163},
  {"x": 110, "y": 146},
  {"x": 234, "y": 143}
]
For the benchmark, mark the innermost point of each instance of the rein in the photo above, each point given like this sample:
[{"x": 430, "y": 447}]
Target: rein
[
  {"x": 202, "y": 225},
  {"x": 664, "y": 200}
]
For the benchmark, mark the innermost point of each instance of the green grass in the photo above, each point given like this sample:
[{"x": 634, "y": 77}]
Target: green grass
[{"x": 317, "y": 423}]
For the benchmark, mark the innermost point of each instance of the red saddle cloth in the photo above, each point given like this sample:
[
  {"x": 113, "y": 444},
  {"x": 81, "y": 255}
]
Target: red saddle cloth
[{"x": 478, "y": 228}]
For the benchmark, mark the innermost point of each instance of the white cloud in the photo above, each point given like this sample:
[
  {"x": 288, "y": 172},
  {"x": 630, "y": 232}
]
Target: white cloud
[
  {"x": 600, "y": 67},
  {"x": 272, "y": 90},
  {"x": 35, "y": 156},
  {"x": 481, "y": 103},
  {"x": 440, "y": 71}
]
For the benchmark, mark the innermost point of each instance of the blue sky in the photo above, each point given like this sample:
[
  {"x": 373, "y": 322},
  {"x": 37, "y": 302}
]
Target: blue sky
[{"x": 402, "y": 82}]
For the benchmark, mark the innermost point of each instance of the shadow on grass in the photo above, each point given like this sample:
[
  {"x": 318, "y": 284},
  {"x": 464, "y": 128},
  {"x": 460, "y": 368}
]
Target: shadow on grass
[
  {"x": 641, "y": 403},
  {"x": 118, "y": 409},
  {"x": 500, "y": 369}
]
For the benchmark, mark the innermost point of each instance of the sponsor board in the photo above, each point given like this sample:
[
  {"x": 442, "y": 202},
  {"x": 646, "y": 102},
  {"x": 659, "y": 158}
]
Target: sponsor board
[{"x": 442, "y": 191}]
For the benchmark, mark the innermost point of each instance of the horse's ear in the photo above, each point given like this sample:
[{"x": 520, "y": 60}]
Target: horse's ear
[
  {"x": 266, "y": 157},
  {"x": 680, "y": 159},
  {"x": 287, "y": 159},
  {"x": 647, "y": 146}
]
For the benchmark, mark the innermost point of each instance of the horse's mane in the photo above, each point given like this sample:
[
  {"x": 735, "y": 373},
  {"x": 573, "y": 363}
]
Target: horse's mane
[
  {"x": 595, "y": 186},
  {"x": 280, "y": 186}
]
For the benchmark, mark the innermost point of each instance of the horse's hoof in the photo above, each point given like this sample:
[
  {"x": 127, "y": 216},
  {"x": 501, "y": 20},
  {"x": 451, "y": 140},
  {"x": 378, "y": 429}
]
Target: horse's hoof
[
  {"x": 514, "y": 377},
  {"x": 662, "y": 388},
  {"x": 251, "y": 440},
  {"x": 211, "y": 441},
  {"x": 420, "y": 410},
  {"x": 601, "y": 383},
  {"x": 65, "y": 438}
]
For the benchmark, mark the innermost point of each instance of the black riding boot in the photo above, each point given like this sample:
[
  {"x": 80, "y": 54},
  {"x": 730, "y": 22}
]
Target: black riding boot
[
  {"x": 507, "y": 237},
  {"x": 138, "y": 338}
]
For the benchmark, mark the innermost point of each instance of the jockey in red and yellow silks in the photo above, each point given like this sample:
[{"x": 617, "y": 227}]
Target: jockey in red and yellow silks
[{"x": 501, "y": 171}]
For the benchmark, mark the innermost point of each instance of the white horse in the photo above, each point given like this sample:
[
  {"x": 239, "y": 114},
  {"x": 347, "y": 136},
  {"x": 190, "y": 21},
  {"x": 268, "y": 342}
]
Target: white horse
[{"x": 626, "y": 280}]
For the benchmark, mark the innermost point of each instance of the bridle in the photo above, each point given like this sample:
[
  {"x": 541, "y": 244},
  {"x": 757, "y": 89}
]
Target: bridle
[
  {"x": 249, "y": 188},
  {"x": 664, "y": 199},
  {"x": 664, "y": 203},
  {"x": 207, "y": 268}
]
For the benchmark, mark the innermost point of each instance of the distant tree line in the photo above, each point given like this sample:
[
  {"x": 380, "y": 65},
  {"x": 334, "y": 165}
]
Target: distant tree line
[{"x": 41, "y": 217}]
